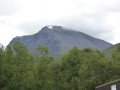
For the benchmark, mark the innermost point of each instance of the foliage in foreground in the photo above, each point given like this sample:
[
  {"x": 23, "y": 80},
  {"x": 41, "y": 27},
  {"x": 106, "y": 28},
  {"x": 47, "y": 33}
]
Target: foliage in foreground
[{"x": 78, "y": 69}]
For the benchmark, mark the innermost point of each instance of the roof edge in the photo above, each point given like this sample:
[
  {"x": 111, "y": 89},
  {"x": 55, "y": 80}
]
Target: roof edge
[{"x": 108, "y": 83}]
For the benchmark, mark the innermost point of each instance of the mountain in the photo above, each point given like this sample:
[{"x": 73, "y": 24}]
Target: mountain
[{"x": 58, "y": 38}]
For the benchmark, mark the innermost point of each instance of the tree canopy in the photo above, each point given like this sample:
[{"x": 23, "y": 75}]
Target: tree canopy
[{"x": 78, "y": 69}]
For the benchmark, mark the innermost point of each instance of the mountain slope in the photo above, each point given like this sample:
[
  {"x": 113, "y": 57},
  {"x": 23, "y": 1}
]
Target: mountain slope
[
  {"x": 57, "y": 38},
  {"x": 108, "y": 51}
]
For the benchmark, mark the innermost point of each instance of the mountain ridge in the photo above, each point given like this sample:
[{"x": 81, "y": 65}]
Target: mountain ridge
[{"x": 58, "y": 37}]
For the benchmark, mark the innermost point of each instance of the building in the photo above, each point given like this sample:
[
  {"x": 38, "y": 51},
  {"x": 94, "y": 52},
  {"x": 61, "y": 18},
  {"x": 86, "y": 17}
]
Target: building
[{"x": 114, "y": 85}]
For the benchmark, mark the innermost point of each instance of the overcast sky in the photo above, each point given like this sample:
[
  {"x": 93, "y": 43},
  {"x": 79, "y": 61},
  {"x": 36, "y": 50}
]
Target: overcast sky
[{"x": 98, "y": 18}]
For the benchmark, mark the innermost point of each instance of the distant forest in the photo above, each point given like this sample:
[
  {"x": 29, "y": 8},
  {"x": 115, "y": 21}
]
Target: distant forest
[{"x": 78, "y": 69}]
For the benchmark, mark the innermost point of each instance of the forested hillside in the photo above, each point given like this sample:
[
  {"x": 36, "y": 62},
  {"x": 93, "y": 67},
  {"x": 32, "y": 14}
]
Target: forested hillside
[{"x": 78, "y": 69}]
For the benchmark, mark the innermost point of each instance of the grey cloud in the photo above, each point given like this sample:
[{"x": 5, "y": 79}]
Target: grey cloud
[
  {"x": 8, "y": 7},
  {"x": 97, "y": 29},
  {"x": 2, "y": 21},
  {"x": 30, "y": 27},
  {"x": 89, "y": 23},
  {"x": 108, "y": 36}
]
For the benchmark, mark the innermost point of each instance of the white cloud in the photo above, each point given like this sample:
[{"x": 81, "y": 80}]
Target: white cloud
[
  {"x": 98, "y": 18},
  {"x": 113, "y": 21},
  {"x": 8, "y": 7},
  {"x": 8, "y": 31}
]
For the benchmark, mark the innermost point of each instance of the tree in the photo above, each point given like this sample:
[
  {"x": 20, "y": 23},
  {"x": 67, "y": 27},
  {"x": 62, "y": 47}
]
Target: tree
[
  {"x": 44, "y": 68},
  {"x": 8, "y": 68},
  {"x": 1, "y": 66},
  {"x": 42, "y": 50},
  {"x": 24, "y": 77},
  {"x": 70, "y": 64},
  {"x": 95, "y": 70}
]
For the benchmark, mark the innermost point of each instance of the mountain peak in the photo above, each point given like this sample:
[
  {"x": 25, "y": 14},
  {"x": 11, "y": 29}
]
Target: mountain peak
[{"x": 52, "y": 27}]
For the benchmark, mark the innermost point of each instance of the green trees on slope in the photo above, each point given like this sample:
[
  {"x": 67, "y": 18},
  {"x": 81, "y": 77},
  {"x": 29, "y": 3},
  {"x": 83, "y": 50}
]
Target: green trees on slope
[{"x": 78, "y": 69}]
